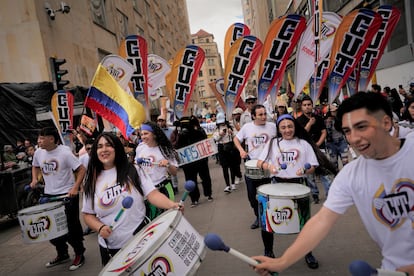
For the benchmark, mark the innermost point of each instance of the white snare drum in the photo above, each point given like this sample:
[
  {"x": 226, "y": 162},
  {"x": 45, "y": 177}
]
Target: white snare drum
[
  {"x": 43, "y": 222},
  {"x": 169, "y": 245},
  {"x": 283, "y": 207},
  {"x": 253, "y": 172}
]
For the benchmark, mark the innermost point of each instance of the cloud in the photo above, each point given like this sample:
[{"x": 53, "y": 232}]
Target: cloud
[{"x": 215, "y": 17}]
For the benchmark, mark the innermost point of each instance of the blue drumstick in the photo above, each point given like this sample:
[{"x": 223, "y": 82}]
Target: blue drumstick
[
  {"x": 214, "y": 242},
  {"x": 189, "y": 186},
  {"x": 126, "y": 204},
  {"x": 361, "y": 268},
  {"x": 283, "y": 166},
  {"x": 306, "y": 167}
]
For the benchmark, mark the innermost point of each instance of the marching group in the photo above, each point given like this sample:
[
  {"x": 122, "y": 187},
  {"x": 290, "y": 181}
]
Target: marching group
[{"x": 288, "y": 145}]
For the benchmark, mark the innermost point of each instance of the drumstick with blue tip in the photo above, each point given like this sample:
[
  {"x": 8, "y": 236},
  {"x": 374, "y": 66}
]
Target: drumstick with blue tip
[
  {"x": 215, "y": 243},
  {"x": 45, "y": 199},
  {"x": 126, "y": 204},
  {"x": 189, "y": 186},
  {"x": 361, "y": 268},
  {"x": 306, "y": 167}
]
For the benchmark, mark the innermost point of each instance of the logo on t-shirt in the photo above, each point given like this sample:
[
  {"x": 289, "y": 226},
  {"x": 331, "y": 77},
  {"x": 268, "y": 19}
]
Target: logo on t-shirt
[
  {"x": 259, "y": 140},
  {"x": 50, "y": 167},
  {"x": 394, "y": 208}
]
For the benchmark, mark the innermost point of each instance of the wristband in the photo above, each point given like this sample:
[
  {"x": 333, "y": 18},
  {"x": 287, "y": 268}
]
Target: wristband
[{"x": 100, "y": 228}]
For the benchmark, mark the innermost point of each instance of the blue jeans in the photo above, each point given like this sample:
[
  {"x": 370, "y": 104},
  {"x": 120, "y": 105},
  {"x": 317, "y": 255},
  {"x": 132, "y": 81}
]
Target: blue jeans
[
  {"x": 311, "y": 182},
  {"x": 338, "y": 149}
]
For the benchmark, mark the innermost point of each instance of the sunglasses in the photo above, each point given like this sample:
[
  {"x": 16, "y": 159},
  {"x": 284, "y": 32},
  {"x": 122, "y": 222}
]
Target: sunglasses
[
  {"x": 250, "y": 102},
  {"x": 160, "y": 120}
]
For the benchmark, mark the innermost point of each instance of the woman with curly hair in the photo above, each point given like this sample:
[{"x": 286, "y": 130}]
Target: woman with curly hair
[
  {"x": 156, "y": 155},
  {"x": 109, "y": 179}
]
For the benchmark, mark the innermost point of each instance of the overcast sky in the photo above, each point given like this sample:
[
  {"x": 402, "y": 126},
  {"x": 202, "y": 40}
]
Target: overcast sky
[{"x": 215, "y": 17}]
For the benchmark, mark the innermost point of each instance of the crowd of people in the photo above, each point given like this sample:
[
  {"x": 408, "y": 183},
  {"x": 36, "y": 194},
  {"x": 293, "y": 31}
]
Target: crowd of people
[{"x": 373, "y": 128}]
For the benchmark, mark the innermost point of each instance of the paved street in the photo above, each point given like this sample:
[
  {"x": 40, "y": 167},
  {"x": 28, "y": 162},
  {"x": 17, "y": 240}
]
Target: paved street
[{"x": 230, "y": 216}]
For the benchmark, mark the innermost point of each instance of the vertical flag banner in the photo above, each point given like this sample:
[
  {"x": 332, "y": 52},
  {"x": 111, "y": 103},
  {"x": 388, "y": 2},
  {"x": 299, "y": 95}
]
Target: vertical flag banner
[
  {"x": 110, "y": 101},
  {"x": 184, "y": 72},
  {"x": 234, "y": 32},
  {"x": 305, "y": 54},
  {"x": 120, "y": 69},
  {"x": 134, "y": 49},
  {"x": 218, "y": 89},
  {"x": 390, "y": 17},
  {"x": 62, "y": 110},
  {"x": 280, "y": 41},
  {"x": 157, "y": 70},
  {"x": 317, "y": 81},
  {"x": 241, "y": 59},
  {"x": 353, "y": 80},
  {"x": 353, "y": 36}
]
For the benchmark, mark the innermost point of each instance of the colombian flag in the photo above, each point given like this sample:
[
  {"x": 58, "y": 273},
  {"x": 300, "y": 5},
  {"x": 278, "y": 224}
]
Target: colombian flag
[{"x": 110, "y": 101}]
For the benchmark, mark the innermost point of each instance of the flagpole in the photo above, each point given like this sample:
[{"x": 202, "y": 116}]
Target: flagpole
[{"x": 316, "y": 30}]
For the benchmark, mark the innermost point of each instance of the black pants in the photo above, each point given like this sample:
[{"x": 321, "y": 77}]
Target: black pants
[
  {"x": 75, "y": 232},
  {"x": 198, "y": 168},
  {"x": 252, "y": 185}
]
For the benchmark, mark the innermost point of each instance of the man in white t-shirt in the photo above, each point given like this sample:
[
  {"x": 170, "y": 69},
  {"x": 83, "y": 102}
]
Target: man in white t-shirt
[
  {"x": 63, "y": 174},
  {"x": 256, "y": 134},
  {"x": 246, "y": 116},
  {"x": 380, "y": 183}
]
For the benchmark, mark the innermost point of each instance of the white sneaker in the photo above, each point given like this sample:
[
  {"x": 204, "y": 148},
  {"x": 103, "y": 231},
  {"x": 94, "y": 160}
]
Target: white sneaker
[
  {"x": 233, "y": 187},
  {"x": 227, "y": 189},
  {"x": 238, "y": 180}
]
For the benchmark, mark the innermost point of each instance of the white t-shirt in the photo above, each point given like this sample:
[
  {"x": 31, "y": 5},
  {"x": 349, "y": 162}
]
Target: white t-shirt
[
  {"x": 152, "y": 155},
  {"x": 256, "y": 137},
  {"x": 108, "y": 202},
  {"x": 245, "y": 117},
  {"x": 383, "y": 192},
  {"x": 84, "y": 159},
  {"x": 294, "y": 153},
  {"x": 57, "y": 167}
]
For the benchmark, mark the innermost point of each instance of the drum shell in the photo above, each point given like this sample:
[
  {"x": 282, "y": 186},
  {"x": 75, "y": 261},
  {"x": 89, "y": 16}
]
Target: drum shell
[
  {"x": 169, "y": 244},
  {"x": 283, "y": 207},
  {"x": 43, "y": 222},
  {"x": 253, "y": 172}
]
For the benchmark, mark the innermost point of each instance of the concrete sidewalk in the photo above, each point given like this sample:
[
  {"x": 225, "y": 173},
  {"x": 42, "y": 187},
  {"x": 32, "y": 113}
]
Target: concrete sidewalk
[{"x": 229, "y": 216}]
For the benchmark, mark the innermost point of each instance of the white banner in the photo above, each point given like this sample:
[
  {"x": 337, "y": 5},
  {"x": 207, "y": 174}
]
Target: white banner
[
  {"x": 157, "y": 69},
  {"x": 305, "y": 54},
  {"x": 120, "y": 69},
  {"x": 197, "y": 151}
]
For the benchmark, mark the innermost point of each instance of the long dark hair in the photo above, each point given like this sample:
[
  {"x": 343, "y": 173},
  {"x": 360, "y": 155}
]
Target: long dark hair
[
  {"x": 126, "y": 172},
  {"x": 406, "y": 115},
  {"x": 164, "y": 144},
  {"x": 325, "y": 166}
]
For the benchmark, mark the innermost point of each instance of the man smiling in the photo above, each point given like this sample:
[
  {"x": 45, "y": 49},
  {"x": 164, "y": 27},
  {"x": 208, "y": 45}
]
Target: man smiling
[{"x": 380, "y": 183}]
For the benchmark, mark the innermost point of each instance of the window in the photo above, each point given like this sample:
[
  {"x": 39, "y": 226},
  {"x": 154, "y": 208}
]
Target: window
[
  {"x": 98, "y": 12},
  {"x": 123, "y": 23},
  {"x": 200, "y": 74},
  {"x": 212, "y": 72},
  {"x": 210, "y": 61}
]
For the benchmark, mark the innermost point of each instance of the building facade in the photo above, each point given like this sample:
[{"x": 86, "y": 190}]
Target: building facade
[
  {"x": 211, "y": 71},
  {"x": 32, "y": 31}
]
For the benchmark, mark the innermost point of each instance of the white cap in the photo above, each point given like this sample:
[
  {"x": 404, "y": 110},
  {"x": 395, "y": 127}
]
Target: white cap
[
  {"x": 237, "y": 110},
  {"x": 250, "y": 97},
  {"x": 220, "y": 118}
]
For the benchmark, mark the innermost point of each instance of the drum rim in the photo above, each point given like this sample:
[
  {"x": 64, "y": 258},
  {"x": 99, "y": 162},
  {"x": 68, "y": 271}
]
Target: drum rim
[
  {"x": 27, "y": 211},
  {"x": 284, "y": 196},
  {"x": 150, "y": 251},
  {"x": 245, "y": 163}
]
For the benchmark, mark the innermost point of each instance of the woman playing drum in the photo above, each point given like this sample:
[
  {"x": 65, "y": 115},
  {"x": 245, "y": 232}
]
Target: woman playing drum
[
  {"x": 291, "y": 149},
  {"x": 157, "y": 157},
  {"x": 110, "y": 178}
]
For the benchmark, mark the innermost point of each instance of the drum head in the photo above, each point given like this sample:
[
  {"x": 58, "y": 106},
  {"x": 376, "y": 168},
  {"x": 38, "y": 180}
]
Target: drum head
[
  {"x": 143, "y": 244},
  {"x": 40, "y": 208},
  {"x": 251, "y": 163},
  {"x": 284, "y": 190}
]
